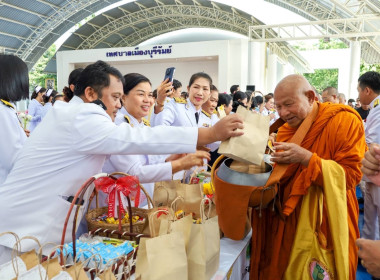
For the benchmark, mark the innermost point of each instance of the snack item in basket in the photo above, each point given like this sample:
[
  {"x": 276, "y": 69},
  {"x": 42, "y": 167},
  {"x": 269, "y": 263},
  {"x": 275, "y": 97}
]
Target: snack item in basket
[
  {"x": 104, "y": 248},
  {"x": 179, "y": 214}
]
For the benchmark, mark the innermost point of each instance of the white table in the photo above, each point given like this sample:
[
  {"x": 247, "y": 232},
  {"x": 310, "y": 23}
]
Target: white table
[{"x": 233, "y": 259}]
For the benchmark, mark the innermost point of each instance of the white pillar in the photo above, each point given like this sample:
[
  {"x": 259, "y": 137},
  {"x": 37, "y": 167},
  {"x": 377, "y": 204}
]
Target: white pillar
[
  {"x": 256, "y": 65},
  {"x": 271, "y": 73},
  {"x": 354, "y": 72}
]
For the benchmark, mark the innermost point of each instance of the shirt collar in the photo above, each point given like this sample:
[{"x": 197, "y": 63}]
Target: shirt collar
[
  {"x": 76, "y": 99},
  {"x": 371, "y": 105},
  {"x": 134, "y": 121},
  {"x": 191, "y": 105}
]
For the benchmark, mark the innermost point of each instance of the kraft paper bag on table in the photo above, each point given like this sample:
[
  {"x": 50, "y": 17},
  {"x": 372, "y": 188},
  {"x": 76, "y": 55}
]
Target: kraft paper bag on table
[
  {"x": 167, "y": 257},
  {"x": 204, "y": 248},
  {"x": 165, "y": 192},
  {"x": 178, "y": 224},
  {"x": 77, "y": 272},
  {"x": 250, "y": 147}
]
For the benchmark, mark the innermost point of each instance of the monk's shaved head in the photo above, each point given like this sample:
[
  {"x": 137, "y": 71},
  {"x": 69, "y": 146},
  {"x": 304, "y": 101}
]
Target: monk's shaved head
[
  {"x": 294, "y": 97},
  {"x": 295, "y": 84}
]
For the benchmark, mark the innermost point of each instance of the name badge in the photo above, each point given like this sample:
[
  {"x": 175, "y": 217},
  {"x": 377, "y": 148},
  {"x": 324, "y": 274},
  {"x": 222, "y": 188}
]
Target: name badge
[{"x": 206, "y": 125}]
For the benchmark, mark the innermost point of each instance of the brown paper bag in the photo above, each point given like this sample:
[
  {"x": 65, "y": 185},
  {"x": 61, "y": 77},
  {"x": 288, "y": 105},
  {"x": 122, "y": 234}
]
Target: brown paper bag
[
  {"x": 142, "y": 266},
  {"x": 167, "y": 257},
  {"x": 204, "y": 247},
  {"x": 30, "y": 259},
  {"x": 52, "y": 267},
  {"x": 192, "y": 196},
  {"x": 165, "y": 192},
  {"x": 77, "y": 272},
  {"x": 250, "y": 147},
  {"x": 107, "y": 275}
]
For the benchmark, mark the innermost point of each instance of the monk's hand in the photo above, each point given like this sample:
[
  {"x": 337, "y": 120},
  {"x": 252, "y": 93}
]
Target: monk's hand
[
  {"x": 229, "y": 126},
  {"x": 371, "y": 160},
  {"x": 290, "y": 153},
  {"x": 369, "y": 252}
]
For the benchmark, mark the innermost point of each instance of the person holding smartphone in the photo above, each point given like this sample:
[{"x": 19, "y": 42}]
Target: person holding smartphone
[
  {"x": 148, "y": 168},
  {"x": 187, "y": 112}
]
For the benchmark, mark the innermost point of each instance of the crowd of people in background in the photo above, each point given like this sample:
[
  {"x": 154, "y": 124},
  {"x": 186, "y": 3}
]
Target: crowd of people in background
[{"x": 86, "y": 137}]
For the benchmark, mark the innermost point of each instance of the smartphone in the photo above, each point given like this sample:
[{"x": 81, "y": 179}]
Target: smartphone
[{"x": 169, "y": 73}]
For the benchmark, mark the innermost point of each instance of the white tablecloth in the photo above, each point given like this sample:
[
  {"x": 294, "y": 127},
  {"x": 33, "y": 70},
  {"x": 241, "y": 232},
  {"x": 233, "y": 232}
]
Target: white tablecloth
[{"x": 233, "y": 259}]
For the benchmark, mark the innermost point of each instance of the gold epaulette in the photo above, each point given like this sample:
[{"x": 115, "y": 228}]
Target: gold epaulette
[
  {"x": 377, "y": 101},
  {"x": 207, "y": 114},
  {"x": 180, "y": 100},
  {"x": 6, "y": 103},
  {"x": 146, "y": 122},
  {"x": 128, "y": 120}
]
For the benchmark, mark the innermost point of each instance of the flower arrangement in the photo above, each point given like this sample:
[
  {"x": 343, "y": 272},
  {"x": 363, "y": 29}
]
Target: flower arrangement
[{"x": 24, "y": 118}]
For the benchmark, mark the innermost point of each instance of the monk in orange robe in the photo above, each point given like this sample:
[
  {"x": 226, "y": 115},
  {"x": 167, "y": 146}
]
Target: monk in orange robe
[{"x": 337, "y": 134}]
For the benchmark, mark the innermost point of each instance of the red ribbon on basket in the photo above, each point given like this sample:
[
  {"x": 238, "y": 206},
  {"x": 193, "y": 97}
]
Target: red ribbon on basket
[{"x": 127, "y": 185}]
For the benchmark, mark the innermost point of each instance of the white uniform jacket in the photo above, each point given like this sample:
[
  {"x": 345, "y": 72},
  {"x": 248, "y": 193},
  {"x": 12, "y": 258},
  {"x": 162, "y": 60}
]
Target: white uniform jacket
[
  {"x": 46, "y": 109},
  {"x": 35, "y": 110},
  {"x": 69, "y": 147},
  {"x": 148, "y": 168},
  {"x": 207, "y": 120},
  {"x": 12, "y": 138},
  {"x": 372, "y": 130}
]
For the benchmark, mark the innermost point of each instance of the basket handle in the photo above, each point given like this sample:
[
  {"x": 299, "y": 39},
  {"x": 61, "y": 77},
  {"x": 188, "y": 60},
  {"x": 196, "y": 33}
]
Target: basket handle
[{"x": 80, "y": 193}]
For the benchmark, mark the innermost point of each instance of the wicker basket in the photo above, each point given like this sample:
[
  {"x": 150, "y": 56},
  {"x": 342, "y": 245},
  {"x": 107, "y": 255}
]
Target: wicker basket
[{"x": 137, "y": 227}]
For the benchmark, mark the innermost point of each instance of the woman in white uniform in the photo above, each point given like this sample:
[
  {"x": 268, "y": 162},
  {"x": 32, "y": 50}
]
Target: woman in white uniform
[
  {"x": 48, "y": 100},
  {"x": 35, "y": 107},
  {"x": 137, "y": 100},
  {"x": 14, "y": 86},
  {"x": 188, "y": 112},
  {"x": 269, "y": 110}
]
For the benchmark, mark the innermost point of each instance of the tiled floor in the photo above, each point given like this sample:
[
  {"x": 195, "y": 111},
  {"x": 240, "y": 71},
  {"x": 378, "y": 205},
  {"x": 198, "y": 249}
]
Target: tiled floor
[{"x": 361, "y": 273}]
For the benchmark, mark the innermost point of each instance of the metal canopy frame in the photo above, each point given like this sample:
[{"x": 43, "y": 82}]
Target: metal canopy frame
[
  {"x": 351, "y": 28},
  {"x": 28, "y": 28},
  {"x": 320, "y": 10}
]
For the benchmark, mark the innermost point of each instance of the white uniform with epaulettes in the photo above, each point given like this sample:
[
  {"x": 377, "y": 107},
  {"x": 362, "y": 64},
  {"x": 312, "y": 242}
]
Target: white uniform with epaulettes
[
  {"x": 70, "y": 146},
  {"x": 181, "y": 112},
  {"x": 148, "y": 168},
  {"x": 371, "y": 228},
  {"x": 12, "y": 139}
]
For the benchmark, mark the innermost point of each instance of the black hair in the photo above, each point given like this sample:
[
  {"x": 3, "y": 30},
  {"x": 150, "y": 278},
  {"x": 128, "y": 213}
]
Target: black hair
[
  {"x": 14, "y": 79},
  {"x": 96, "y": 76},
  {"x": 234, "y": 88},
  {"x": 213, "y": 88},
  {"x": 132, "y": 80},
  {"x": 35, "y": 93},
  {"x": 239, "y": 95},
  {"x": 184, "y": 94},
  {"x": 176, "y": 84},
  {"x": 271, "y": 94},
  {"x": 47, "y": 98},
  {"x": 224, "y": 99},
  {"x": 200, "y": 75},
  {"x": 73, "y": 79},
  {"x": 55, "y": 97},
  {"x": 155, "y": 94},
  {"x": 351, "y": 100},
  {"x": 259, "y": 100},
  {"x": 370, "y": 79}
]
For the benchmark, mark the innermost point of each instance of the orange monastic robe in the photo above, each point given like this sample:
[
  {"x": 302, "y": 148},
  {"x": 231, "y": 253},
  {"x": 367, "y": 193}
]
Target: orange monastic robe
[{"x": 336, "y": 134}]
